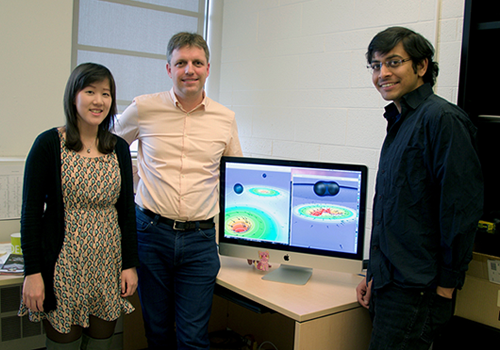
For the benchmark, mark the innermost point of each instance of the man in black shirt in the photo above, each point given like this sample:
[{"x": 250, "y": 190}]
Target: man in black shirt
[{"x": 428, "y": 197}]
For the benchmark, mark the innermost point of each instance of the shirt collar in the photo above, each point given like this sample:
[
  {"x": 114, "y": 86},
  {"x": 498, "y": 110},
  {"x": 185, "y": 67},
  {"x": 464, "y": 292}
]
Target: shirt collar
[
  {"x": 179, "y": 105},
  {"x": 414, "y": 98},
  {"x": 411, "y": 100}
]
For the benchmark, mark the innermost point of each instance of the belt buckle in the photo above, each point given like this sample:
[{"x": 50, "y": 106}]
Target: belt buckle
[{"x": 176, "y": 222}]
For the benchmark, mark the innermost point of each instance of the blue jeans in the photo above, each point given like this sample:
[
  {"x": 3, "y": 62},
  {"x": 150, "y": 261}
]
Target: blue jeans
[
  {"x": 407, "y": 318},
  {"x": 176, "y": 283}
]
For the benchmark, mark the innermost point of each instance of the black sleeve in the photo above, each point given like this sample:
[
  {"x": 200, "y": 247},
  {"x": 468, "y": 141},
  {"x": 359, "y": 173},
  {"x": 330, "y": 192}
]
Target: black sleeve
[
  {"x": 42, "y": 213},
  {"x": 126, "y": 207},
  {"x": 458, "y": 172}
]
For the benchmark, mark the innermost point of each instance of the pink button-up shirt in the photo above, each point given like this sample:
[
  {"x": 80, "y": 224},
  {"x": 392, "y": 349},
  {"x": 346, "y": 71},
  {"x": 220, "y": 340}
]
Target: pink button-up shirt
[{"x": 179, "y": 153}]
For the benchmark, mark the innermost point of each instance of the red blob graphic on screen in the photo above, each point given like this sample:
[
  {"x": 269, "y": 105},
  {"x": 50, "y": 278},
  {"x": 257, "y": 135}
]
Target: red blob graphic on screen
[
  {"x": 325, "y": 212},
  {"x": 250, "y": 223},
  {"x": 240, "y": 226}
]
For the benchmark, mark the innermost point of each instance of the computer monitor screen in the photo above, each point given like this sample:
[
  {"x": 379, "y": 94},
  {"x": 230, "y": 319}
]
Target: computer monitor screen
[{"x": 302, "y": 214}]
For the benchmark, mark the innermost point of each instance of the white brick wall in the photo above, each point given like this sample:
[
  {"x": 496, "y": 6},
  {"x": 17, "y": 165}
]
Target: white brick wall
[{"x": 294, "y": 73}]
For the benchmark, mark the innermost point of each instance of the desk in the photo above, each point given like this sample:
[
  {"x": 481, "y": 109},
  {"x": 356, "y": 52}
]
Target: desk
[
  {"x": 324, "y": 313},
  {"x": 17, "y": 332},
  {"x": 8, "y": 280}
]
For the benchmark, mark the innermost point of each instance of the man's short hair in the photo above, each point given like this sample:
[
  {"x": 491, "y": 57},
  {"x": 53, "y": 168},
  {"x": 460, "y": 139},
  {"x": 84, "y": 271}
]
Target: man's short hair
[
  {"x": 417, "y": 47},
  {"x": 182, "y": 39}
]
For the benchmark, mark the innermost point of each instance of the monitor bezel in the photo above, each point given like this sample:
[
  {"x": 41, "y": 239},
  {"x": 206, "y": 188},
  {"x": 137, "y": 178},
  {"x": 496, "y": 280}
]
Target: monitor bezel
[{"x": 358, "y": 255}]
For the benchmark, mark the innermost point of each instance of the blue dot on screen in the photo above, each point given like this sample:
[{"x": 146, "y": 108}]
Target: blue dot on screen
[{"x": 238, "y": 188}]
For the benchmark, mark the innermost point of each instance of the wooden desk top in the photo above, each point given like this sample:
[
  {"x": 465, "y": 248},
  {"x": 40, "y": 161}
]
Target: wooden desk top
[
  {"x": 6, "y": 280},
  {"x": 326, "y": 293}
]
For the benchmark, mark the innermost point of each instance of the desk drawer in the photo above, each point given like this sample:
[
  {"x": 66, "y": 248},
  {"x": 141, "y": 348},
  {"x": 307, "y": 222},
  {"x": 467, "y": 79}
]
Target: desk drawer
[{"x": 17, "y": 332}]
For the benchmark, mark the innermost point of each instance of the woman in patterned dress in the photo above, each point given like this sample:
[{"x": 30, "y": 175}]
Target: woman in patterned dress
[{"x": 78, "y": 220}]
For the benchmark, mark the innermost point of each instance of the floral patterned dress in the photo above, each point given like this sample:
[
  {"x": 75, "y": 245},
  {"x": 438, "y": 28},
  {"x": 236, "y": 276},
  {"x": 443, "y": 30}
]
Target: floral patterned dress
[{"x": 88, "y": 270}]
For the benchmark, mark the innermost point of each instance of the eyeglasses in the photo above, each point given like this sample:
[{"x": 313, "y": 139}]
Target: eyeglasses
[{"x": 375, "y": 67}]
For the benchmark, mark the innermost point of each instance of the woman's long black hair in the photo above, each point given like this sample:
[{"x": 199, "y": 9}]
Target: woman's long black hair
[{"x": 81, "y": 77}]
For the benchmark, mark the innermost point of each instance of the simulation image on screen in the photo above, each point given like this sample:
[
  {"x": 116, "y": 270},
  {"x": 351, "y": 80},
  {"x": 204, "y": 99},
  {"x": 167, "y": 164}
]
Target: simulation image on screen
[
  {"x": 324, "y": 210},
  {"x": 257, "y": 204},
  {"x": 301, "y": 207}
]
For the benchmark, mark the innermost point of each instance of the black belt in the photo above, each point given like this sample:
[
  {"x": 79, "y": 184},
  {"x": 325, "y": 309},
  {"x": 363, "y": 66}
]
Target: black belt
[{"x": 179, "y": 225}]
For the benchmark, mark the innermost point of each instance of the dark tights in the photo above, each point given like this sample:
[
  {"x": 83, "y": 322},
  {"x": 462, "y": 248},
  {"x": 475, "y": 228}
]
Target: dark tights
[{"x": 99, "y": 329}]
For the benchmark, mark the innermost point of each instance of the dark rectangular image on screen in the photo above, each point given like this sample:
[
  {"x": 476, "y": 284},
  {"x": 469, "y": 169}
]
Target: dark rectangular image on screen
[{"x": 295, "y": 206}]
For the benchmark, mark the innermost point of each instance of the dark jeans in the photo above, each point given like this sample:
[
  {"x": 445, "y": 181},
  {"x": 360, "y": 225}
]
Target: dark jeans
[
  {"x": 176, "y": 283},
  {"x": 407, "y": 318}
]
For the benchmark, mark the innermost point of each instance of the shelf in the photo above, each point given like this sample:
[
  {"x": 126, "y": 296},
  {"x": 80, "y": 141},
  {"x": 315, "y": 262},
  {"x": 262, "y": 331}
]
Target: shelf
[
  {"x": 490, "y": 118},
  {"x": 488, "y": 25}
]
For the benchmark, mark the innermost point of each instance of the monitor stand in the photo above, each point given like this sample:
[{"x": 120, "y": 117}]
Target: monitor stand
[{"x": 289, "y": 274}]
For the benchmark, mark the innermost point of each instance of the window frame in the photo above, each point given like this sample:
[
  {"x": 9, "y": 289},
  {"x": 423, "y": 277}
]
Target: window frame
[{"x": 201, "y": 15}]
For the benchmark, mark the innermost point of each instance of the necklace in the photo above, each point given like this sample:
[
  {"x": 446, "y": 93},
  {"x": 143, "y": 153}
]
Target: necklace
[{"x": 90, "y": 147}]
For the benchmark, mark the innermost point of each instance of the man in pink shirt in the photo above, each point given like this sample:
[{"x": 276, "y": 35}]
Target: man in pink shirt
[{"x": 182, "y": 135}]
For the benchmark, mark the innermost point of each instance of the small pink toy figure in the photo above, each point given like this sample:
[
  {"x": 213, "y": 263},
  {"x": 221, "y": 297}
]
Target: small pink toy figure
[{"x": 263, "y": 263}]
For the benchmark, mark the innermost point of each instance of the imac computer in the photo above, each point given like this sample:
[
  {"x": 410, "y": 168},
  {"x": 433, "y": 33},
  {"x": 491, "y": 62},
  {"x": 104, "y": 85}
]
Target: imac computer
[{"x": 300, "y": 214}]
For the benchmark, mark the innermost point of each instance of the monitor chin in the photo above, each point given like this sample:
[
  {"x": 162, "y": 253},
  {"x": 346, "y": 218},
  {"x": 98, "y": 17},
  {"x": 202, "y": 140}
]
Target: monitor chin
[
  {"x": 299, "y": 214},
  {"x": 292, "y": 267}
]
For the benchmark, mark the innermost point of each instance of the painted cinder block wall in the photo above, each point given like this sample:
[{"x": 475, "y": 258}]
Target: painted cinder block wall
[{"x": 295, "y": 73}]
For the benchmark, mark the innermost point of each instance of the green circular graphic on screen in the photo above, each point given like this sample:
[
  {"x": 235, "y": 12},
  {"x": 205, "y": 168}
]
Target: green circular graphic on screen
[
  {"x": 251, "y": 223},
  {"x": 264, "y": 192},
  {"x": 325, "y": 212}
]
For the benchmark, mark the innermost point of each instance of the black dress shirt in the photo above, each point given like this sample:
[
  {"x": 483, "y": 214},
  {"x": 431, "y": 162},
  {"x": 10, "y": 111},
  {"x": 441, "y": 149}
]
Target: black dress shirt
[{"x": 428, "y": 196}]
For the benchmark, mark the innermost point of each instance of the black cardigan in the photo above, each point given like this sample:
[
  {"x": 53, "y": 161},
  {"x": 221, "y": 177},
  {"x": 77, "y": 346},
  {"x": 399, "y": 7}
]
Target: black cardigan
[{"x": 42, "y": 216}]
